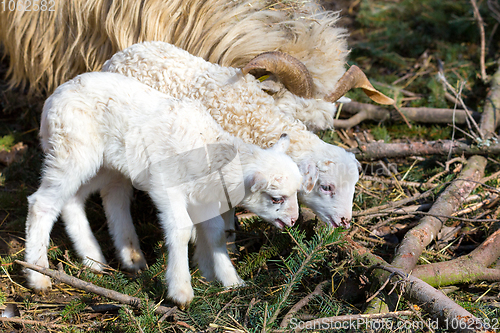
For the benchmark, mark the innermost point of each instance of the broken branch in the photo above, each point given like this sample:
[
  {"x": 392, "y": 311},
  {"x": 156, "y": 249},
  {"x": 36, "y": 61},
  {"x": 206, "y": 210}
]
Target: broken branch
[
  {"x": 364, "y": 111},
  {"x": 378, "y": 150},
  {"x": 466, "y": 269},
  {"x": 92, "y": 288}
]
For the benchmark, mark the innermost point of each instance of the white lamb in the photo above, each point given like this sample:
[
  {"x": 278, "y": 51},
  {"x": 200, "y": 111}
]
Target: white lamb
[
  {"x": 104, "y": 131},
  {"x": 237, "y": 102}
]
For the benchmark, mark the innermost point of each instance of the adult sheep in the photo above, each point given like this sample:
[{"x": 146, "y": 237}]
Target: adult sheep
[{"x": 48, "y": 47}]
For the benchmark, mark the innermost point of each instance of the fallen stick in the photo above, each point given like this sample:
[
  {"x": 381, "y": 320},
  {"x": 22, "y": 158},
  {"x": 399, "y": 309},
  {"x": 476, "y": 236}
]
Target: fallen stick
[
  {"x": 38, "y": 323},
  {"x": 466, "y": 269},
  {"x": 303, "y": 302},
  {"x": 378, "y": 150},
  {"x": 363, "y": 111},
  {"x": 416, "y": 240},
  {"x": 449, "y": 314},
  {"x": 491, "y": 115},
  {"x": 92, "y": 288},
  {"x": 394, "y": 204},
  {"x": 437, "y": 304}
]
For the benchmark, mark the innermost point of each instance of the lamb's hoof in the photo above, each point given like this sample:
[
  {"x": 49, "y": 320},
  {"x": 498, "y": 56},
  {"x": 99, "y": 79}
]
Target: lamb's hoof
[
  {"x": 134, "y": 260},
  {"x": 181, "y": 296},
  {"x": 39, "y": 282},
  {"x": 95, "y": 266},
  {"x": 235, "y": 285}
]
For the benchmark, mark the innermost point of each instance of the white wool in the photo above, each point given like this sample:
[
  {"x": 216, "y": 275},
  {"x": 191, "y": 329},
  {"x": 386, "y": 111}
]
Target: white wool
[
  {"x": 105, "y": 131},
  {"x": 243, "y": 109}
]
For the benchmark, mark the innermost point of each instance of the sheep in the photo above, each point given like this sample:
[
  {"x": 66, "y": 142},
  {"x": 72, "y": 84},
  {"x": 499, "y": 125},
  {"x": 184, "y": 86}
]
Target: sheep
[
  {"x": 107, "y": 132},
  {"x": 237, "y": 102},
  {"x": 48, "y": 47}
]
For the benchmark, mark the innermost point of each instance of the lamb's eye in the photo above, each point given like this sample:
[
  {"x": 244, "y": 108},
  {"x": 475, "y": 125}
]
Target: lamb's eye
[
  {"x": 327, "y": 188},
  {"x": 277, "y": 200}
]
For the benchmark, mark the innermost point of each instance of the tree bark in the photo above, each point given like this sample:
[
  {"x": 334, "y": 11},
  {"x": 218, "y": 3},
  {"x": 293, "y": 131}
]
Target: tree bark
[
  {"x": 466, "y": 269},
  {"x": 491, "y": 115},
  {"x": 435, "y": 302},
  {"x": 417, "y": 239},
  {"x": 364, "y": 111},
  {"x": 378, "y": 150}
]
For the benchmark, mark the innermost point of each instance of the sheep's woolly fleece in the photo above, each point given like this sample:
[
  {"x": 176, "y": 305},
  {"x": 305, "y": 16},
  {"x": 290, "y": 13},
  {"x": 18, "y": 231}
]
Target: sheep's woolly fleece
[
  {"x": 234, "y": 100},
  {"x": 47, "y": 48}
]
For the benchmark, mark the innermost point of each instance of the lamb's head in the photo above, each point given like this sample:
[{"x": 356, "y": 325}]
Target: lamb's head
[
  {"x": 271, "y": 185},
  {"x": 329, "y": 183}
]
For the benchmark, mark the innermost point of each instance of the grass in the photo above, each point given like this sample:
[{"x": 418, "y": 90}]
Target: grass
[{"x": 398, "y": 43}]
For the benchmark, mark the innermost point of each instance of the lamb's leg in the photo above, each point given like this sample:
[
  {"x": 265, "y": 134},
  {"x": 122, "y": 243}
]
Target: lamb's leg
[
  {"x": 59, "y": 184},
  {"x": 211, "y": 251},
  {"x": 177, "y": 226},
  {"x": 203, "y": 254},
  {"x": 229, "y": 227},
  {"x": 78, "y": 227},
  {"x": 116, "y": 196}
]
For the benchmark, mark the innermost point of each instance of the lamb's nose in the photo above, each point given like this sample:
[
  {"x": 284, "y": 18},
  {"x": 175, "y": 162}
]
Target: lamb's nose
[
  {"x": 292, "y": 221},
  {"x": 346, "y": 223}
]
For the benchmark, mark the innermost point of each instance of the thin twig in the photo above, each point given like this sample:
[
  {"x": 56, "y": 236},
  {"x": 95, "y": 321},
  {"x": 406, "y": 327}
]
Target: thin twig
[
  {"x": 89, "y": 287},
  {"x": 131, "y": 314},
  {"x": 395, "y": 204},
  {"x": 38, "y": 323},
  {"x": 480, "y": 24},
  {"x": 303, "y": 302},
  {"x": 401, "y": 182},
  {"x": 381, "y": 288}
]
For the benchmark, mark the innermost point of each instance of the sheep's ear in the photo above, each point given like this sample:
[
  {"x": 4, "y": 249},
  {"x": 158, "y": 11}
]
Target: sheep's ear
[
  {"x": 257, "y": 182},
  {"x": 282, "y": 144},
  {"x": 310, "y": 175}
]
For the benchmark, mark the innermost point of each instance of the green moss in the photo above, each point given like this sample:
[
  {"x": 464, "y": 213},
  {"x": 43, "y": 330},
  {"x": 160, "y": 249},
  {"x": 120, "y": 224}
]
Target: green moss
[{"x": 6, "y": 142}]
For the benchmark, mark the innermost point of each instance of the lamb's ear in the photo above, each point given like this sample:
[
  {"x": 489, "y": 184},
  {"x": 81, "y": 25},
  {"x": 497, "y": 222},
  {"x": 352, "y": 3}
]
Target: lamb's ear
[
  {"x": 282, "y": 144},
  {"x": 310, "y": 175},
  {"x": 324, "y": 166},
  {"x": 257, "y": 182}
]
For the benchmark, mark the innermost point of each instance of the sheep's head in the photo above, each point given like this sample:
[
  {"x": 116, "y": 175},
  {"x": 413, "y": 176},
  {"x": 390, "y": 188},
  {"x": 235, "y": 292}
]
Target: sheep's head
[
  {"x": 272, "y": 186},
  {"x": 294, "y": 75},
  {"x": 328, "y": 185}
]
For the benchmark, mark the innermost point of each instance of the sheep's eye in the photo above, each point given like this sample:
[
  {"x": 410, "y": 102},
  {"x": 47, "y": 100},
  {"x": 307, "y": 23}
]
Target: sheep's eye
[
  {"x": 278, "y": 200},
  {"x": 327, "y": 188}
]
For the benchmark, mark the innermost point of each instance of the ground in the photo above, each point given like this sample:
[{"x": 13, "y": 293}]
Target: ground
[{"x": 401, "y": 44}]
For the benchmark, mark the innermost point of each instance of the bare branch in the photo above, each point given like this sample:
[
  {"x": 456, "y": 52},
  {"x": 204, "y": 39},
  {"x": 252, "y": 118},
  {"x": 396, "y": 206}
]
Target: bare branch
[
  {"x": 466, "y": 269},
  {"x": 438, "y": 304},
  {"x": 92, "y": 288},
  {"x": 378, "y": 150},
  {"x": 480, "y": 24},
  {"x": 364, "y": 111},
  {"x": 449, "y": 201},
  {"x": 491, "y": 115},
  {"x": 421, "y": 293},
  {"x": 303, "y": 302}
]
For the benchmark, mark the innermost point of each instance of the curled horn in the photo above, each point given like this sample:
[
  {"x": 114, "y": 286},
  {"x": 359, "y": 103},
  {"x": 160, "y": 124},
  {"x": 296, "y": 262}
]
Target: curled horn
[
  {"x": 289, "y": 71},
  {"x": 355, "y": 78}
]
